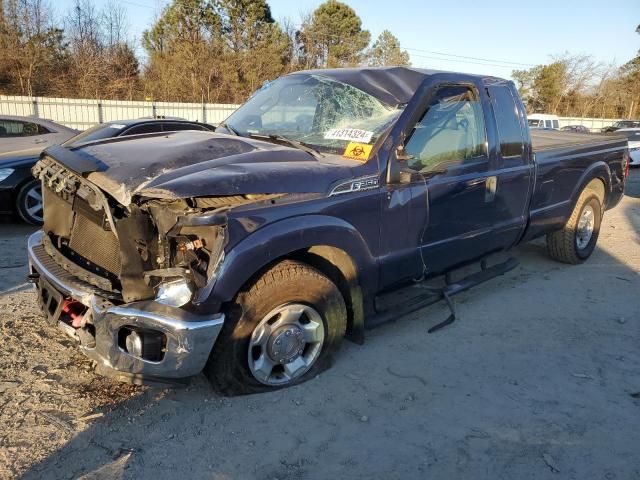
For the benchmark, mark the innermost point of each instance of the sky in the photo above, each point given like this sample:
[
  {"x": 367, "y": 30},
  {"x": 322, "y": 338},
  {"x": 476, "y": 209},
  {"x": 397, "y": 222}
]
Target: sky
[{"x": 491, "y": 37}]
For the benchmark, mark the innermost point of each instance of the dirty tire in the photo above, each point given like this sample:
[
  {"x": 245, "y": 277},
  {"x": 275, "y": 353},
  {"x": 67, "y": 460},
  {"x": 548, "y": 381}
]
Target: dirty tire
[
  {"x": 27, "y": 206},
  {"x": 562, "y": 244},
  {"x": 287, "y": 282}
]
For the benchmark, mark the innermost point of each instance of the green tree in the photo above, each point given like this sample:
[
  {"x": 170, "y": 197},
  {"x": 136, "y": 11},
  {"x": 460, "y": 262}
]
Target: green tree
[
  {"x": 386, "y": 51},
  {"x": 182, "y": 46},
  {"x": 256, "y": 47},
  {"x": 549, "y": 84},
  {"x": 213, "y": 50},
  {"x": 333, "y": 37}
]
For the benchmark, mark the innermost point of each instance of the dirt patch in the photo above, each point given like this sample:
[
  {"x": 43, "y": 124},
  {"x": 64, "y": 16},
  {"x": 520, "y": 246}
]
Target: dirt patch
[{"x": 539, "y": 378}]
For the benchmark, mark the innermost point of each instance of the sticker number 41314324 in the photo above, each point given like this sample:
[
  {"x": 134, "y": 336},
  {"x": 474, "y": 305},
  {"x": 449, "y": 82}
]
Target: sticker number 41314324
[{"x": 350, "y": 134}]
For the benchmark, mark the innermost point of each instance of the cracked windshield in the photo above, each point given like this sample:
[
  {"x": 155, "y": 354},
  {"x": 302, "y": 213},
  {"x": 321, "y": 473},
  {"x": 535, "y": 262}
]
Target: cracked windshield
[{"x": 328, "y": 115}]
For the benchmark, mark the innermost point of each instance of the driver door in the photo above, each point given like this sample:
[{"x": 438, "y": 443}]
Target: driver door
[{"x": 447, "y": 150}]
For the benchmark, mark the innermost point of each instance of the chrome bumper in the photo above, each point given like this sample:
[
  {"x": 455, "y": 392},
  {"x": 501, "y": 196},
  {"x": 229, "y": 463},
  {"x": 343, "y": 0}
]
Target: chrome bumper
[{"x": 189, "y": 337}]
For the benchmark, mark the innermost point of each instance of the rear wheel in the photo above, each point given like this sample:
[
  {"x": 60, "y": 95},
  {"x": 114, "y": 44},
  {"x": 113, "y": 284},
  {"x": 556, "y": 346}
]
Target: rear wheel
[
  {"x": 281, "y": 330},
  {"x": 575, "y": 242},
  {"x": 29, "y": 203}
]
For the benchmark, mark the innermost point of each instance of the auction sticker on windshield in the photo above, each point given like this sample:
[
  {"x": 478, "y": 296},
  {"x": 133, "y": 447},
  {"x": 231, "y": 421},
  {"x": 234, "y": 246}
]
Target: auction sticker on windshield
[
  {"x": 351, "y": 134},
  {"x": 358, "y": 151}
]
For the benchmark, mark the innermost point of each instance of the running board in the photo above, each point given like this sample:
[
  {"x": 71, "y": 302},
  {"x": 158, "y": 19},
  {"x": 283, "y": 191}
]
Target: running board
[{"x": 435, "y": 294}]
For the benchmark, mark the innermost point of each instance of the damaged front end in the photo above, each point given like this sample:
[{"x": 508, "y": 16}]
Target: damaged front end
[{"x": 120, "y": 279}]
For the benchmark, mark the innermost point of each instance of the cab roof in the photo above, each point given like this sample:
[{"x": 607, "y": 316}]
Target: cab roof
[{"x": 392, "y": 85}]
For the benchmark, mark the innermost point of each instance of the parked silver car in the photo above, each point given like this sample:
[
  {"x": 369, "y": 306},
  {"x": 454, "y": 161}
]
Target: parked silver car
[{"x": 22, "y": 133}]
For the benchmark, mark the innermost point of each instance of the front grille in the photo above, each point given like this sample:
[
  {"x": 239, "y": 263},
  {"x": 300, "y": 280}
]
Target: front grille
[{"x": 91, "y": 241}]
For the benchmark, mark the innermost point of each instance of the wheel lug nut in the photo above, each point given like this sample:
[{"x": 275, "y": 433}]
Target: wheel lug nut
[
  {"x": 288, "y": 333},
  {"x": 278, "y": 342}
]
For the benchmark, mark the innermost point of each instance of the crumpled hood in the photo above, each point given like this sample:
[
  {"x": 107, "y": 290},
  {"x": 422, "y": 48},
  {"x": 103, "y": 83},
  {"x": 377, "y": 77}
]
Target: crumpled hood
[{"x": 194, "y": 164}]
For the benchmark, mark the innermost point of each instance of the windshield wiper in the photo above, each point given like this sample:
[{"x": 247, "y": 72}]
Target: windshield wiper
[
  {"x": 286, "y": 141},
  {"x": 227, "y": 128}
]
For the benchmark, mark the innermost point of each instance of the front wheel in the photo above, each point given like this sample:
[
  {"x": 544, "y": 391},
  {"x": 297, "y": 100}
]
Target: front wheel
[
  {"x": 575, "y": 242},
  {"x": 280, "y": 331}
]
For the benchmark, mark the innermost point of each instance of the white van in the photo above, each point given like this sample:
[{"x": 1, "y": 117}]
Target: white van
[{"x": 543, "y": 120}]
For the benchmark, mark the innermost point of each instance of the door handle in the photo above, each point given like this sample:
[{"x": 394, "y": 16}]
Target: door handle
[
  {"x": 476, "y": 181},
  {"x": 491, "y": 185}
]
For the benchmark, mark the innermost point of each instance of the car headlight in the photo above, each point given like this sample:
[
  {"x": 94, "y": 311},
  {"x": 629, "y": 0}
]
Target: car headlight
[
  {"x": 174, "y": 293},
  {"x": 5, "y": 172}
]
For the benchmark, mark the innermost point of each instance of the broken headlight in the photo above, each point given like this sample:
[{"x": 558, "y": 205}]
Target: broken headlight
[{"x": 174, "y": 293}]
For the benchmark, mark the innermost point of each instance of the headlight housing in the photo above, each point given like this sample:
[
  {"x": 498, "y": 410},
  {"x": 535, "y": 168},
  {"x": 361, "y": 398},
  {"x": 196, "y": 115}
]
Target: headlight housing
[
  {"x": 174, "y": 293},
  {"x": 5, "y": 173}
]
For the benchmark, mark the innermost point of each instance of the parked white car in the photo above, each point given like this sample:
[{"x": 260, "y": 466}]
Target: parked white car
[
  {"x": 543, "y": 120},
  {"x": 633, "y": 135},
  {"x": 22, "y": 133}
]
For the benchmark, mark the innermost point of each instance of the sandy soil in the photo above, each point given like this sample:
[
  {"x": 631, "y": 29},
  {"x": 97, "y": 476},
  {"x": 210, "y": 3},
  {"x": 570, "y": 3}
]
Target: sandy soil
[{"x": 540, "y": 378}]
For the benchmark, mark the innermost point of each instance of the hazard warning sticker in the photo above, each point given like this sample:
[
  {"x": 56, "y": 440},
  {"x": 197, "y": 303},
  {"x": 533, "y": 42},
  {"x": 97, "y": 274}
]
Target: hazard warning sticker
[{"x": 358, "y": 151}]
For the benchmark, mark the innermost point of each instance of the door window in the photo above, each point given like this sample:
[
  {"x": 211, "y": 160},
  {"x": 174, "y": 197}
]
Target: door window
[
  {"x": 144, "y": 128},
  {"x": 451, "y": 132},
  {"x": 14, "y": 128},
  {"x": 507, "y": 121},
  {"x": 176, "y": 126}
]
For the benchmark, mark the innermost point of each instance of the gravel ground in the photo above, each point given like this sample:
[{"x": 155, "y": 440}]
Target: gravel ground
[{"x": 539, "y": 378}]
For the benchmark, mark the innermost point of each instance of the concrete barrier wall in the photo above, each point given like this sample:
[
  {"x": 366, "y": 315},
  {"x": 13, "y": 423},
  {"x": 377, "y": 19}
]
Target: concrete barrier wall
[{"x": 83, "y": 113}]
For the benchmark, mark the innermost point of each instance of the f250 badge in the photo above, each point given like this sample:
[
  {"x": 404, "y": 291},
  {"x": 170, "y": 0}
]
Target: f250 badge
[
  {"x": 358, "y": 151},
  {"x": 362, "y": 183}
]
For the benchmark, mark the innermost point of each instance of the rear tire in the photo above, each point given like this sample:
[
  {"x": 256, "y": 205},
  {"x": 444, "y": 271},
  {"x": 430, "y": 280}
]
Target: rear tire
[
  {"x": 575, "y": 242},
  {"x": 29, "y": 202},
  {"x": 258, "y": 318}
]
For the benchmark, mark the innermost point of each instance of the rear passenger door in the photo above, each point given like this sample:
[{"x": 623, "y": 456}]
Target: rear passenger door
[{"x": 512, "y": 165}]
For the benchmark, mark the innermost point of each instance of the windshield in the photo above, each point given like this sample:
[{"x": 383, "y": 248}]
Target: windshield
[
  {"x": 315, "y": 110},
  {"x": 534, "y": 122}
]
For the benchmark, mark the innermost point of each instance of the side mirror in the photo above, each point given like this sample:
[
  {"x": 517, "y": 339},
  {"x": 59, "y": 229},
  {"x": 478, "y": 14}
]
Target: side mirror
[{"x": 402, "y": 155}]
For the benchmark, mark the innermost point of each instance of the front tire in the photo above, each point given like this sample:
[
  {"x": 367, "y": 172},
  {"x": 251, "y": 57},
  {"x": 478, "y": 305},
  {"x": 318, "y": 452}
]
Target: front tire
[
  {"x": 29, "y": 202},
  {"x": 280, "y": 331},
  {"x": 575, "y": 242}
]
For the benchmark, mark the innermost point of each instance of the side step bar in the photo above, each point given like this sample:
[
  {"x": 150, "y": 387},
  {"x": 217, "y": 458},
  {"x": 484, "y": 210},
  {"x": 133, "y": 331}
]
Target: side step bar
[{"x": 435, "y": 294}]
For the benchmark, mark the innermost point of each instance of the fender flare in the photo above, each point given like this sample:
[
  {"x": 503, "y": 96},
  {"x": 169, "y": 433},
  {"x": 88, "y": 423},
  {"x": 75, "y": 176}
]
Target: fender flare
[
  {"x": 264, "y": 246},
  {"x": 600, "y": 171}
]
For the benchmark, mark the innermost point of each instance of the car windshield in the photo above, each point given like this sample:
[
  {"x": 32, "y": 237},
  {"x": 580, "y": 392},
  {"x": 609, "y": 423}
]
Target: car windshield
[{"x": 318, "y": 111}]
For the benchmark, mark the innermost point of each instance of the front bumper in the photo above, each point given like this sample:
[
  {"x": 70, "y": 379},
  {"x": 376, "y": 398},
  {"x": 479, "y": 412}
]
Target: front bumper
[{"x": 189, "y": 337}]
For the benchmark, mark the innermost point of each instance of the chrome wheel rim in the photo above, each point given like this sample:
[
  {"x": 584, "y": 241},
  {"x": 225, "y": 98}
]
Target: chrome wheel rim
[
  {"x": 585, "y": 227},
  {"x": 32, "y": 203},
  {"x": 285, "y": 344}
]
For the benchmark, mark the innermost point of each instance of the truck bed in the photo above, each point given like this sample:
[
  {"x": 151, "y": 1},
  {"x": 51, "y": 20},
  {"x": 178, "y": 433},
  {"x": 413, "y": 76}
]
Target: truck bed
[{"x": 550, "y": 139}]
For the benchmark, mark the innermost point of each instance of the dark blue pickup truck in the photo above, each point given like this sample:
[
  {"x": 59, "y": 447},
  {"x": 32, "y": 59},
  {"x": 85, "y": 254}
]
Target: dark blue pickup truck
[{"x": 251, "y": 252}]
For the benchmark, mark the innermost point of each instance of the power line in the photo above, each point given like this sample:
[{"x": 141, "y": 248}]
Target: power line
[
  {"x": 488, "y": 61},
  {"x": 471, "y": 58},
  {"x": 464, "y": 61},
  {"x": 137, "y": 4}
]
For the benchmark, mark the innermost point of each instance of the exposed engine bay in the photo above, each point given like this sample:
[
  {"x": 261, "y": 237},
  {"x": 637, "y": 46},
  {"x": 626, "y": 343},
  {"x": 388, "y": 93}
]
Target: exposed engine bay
[{"x": 131, "y": 250}]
